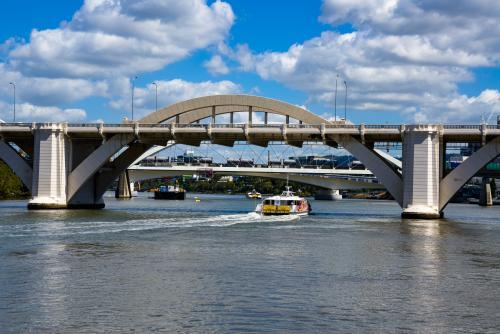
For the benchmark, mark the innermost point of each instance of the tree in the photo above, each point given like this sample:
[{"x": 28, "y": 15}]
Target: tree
[{"x": 11, "y": 186}]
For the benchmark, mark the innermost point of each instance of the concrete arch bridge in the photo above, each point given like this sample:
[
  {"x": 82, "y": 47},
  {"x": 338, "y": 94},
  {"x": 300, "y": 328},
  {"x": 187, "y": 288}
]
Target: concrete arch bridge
[{"x": 72, "y": 165}]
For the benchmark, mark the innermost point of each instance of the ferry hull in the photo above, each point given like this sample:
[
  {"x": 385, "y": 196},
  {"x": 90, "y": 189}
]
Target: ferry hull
[{"x": 181, "y": 195}]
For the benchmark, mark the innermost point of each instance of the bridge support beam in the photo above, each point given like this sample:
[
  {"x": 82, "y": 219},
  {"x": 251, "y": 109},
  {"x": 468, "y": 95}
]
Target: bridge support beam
[
  {"x": 50, "y": 167},
  {"x": 421, "y": 172},
  {"x": 123, "y": 189},
  {"x": 72, "y": 173},
  {"x": 486, "y": 198}
]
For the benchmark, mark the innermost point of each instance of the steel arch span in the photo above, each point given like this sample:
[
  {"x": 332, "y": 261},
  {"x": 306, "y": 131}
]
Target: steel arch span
[{"x": 196, "y": 109}]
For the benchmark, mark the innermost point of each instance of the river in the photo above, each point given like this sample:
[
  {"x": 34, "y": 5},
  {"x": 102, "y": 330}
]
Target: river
[{"x": 142, "y": 265}]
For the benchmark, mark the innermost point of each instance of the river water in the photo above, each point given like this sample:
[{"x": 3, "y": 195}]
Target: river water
[{"x": 211, "y": 267}]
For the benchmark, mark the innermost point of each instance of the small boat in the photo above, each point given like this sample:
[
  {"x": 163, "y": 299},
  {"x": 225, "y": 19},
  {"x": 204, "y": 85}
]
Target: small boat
[
  {"x": 285, "y": 204},
  {"x": 170, "y": 192},
  {"x": 254, "y": 194}
]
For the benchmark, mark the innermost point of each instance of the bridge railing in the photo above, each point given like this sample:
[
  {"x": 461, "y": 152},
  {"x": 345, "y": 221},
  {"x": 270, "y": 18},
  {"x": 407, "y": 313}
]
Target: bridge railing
[
  {"x": 228, "y": 126},
  {"x": 303, "y": 126},
  {"x": 462, "y": 126},
  {"x": 382, "y": 126}
]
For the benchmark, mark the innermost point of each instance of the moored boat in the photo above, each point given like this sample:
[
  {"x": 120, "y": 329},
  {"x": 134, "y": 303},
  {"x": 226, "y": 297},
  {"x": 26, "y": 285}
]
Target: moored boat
[
  {"x": 285, "y": 204},
  {"x": 170, "y": 192}
]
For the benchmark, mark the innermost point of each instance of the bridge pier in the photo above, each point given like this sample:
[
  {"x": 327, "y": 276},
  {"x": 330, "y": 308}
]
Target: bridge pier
[
  {"x": 50, "y": 167},
  {"x": 422, "y": 154},
  {"x": 123, "y": 189},
  {"x": 486, "y": 197},
  {"x": 72, "y": 172}
]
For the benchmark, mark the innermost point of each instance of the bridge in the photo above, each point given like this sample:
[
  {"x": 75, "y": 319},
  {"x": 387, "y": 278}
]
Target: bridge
[
  {"x": 328, "y": 180},
  {"x": 72, "y": 165}
]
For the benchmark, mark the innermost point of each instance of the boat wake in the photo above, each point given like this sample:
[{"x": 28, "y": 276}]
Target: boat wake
[{"x": 62, "y": 228}]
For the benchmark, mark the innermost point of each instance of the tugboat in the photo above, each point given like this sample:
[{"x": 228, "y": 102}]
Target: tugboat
[
  {"x": 254, "y": 194},
  {"x": 285, "y": 204},
  {"x": 170, "y": 192}
]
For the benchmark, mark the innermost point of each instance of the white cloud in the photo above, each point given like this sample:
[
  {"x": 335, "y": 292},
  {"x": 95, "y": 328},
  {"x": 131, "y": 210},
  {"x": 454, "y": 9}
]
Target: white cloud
[
  {"x": 216, "y": 65},
  {"x": 393, "y": 61},
  {"x": 105, "y": 43},
  {"x": 110, "y": 38},
  {"x": 173, "y": 91},
  {"x": 26, "y": 112},
  {"x": 49, "y": 91}
]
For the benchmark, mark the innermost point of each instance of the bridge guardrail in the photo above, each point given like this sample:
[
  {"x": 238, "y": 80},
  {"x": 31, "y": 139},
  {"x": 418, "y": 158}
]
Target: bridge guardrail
[
  {"x": 462, "y": 126},
  {"x": 383, "y": 126},
  {"x": 191, "y": 125},
  {"x": 156, "y": 125},
  {"x": 16, "y": 124},
  {"x": 229, "y": 126},
  {"x": 341, "y": 126},
  {"x": 303, "y": 126}
]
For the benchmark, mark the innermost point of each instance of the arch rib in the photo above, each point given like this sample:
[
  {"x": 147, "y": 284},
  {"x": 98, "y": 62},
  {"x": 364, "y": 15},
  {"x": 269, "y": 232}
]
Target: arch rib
[{"x": 202, "y": 107}]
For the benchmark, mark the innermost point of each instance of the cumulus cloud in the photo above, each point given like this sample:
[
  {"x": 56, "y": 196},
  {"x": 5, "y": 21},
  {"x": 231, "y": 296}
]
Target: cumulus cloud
[
  {"x": 402, "y": 55},
  {"x": 173, "y": 91},
  {"x": 112, "y": 37},
  {"x": 26, "y": 112},
  {"x": 216, "y": 65},
  {"x": 105, "y": 43}
]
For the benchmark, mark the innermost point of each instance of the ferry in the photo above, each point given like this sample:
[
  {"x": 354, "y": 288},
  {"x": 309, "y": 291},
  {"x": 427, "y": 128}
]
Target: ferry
[
  {"x": 254, "y": 194},
  {"x": 285, "y": 204},
  {"x": 170, "y": 192}
]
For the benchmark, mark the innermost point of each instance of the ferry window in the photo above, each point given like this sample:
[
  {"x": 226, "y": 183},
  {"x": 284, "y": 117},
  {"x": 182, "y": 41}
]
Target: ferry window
[
  {"x": 289, "y": 202},
  {"x": 267, "y": 202}
]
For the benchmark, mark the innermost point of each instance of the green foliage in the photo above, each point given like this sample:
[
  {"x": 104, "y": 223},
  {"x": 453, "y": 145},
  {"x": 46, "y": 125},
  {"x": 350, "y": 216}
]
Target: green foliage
[
  {"x": 239, "y": 185},
  {"x": 11, "y": 186}
]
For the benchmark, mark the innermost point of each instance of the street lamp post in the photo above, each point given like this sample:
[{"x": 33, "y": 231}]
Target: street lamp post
[
  {"x": 336, "y": 79},
  {"x": 345, "y": 101},
  {"x": 156, "y": 96},
  {"x": 133, "y": 87},
  {"x": 14, "y": 95}
]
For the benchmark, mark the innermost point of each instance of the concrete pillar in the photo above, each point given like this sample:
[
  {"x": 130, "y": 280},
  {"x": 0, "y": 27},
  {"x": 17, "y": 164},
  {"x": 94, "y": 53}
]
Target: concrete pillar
[
  {"x": 485, "y": 197},
  {"x": 123, "y": 189},
  {"x": 50, "y": 167},
  {"x": 421, "y": 171}
]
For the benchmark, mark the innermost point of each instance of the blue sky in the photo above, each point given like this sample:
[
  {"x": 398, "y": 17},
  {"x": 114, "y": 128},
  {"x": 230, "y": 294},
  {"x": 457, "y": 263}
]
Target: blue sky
[{"x": 404, "y": 61}]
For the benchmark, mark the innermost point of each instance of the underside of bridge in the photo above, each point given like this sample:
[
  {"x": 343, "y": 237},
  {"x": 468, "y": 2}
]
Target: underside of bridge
[
  {"x": 331, "y": 183},
  {"x": 71, "y": 166}
]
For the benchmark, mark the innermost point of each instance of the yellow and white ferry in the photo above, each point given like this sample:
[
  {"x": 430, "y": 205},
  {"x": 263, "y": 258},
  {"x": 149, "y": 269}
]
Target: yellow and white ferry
[{"x": 285, "y": 204}]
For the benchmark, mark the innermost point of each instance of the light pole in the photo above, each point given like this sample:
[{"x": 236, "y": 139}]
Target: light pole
[
  {"x": 156, "y": 96},
  {"x": 345, "y": 102},
  {"x": 14, "y": 104},
  {"x": 133, "y": 87},
  {"x": 336, "y": 79}
]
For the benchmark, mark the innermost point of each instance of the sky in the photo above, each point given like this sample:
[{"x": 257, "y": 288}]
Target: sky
[{"x": 403, "y": 61}]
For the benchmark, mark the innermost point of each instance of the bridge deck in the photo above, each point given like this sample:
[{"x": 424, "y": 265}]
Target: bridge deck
[{"x": 253, "y": 133}]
